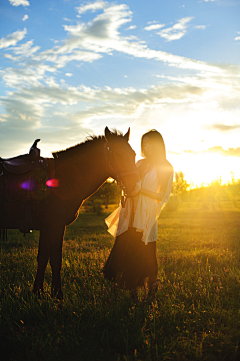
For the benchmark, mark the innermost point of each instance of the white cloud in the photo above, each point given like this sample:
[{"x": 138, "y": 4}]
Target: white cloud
[
  {"x": 26, "y": 50},
  {"x": 224, "y": 127},
  {"x": 154, "y": 27},
  {"x": 18, "y": 78},
  {"x": 54, "y": 56},
  {"x": 102, "y": 36},
  {"x": 88, "y": 41},
  {"x": 51, "y": 82},
  {"x": 23, "y": 114},
  {"x": 25, "y": 17},
  {"x": 4, "y": 117},
  {"x": 104, "y": 26},
  {"x": 177, "y": 31},
  {"x": 200, "y": 27},
  {"x": 35, "y": 92},
  {"x": 69, "y": 75},
  {"x": 98, "y": 103},
  {"x": 37, "y": 103},
  {"x": 30, "y": 103},
  {"x": 237, "y": 37},
  {"x": 132, "y": 27},
  {"x": 12, "y": 39},
  {"x": 55, "y": 41},
  {"x": 98, "y": 5},
  {"x": 19, "y": 2}
]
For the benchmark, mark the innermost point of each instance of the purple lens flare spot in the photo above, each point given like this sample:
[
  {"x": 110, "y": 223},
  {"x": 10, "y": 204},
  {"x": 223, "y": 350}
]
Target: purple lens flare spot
[{"x": 29, "y": 185}]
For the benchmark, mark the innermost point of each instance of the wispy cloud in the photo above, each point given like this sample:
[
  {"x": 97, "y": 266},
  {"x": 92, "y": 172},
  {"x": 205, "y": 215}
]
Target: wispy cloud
[
  {"x": 25, "y": 17},
  {"x": 36, "y": 90},
  {"x": 31, "y": 102},
  {"x": 132, "y": 27},
  {"x": 154, "y": 27},
  {"x": 19, "y": 2},
  {"x": 102, "y": 36},
  {"x": 225, "y": 127},
  {"x": 177, "y": 31},
  {"x": 4, "y": 117},
  {"x": 12, "y": 39},
  {"x": 98, "y": 5},
  {"x": 25, "y": 50},
  {"x": 230, "y": 152},
  {"x": 201, "y": 27},
  {"x": 88, "y": 42},
  {"x": 237, "y": 37}
]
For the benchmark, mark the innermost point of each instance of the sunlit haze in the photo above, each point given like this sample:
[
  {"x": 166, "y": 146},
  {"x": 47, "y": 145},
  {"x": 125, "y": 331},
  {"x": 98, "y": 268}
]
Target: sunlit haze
[{"x": 70, "y": 68}]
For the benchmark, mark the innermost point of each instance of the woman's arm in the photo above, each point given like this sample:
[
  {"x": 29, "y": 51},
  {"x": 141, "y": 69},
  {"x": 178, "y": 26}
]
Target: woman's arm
[{"x": 153, "y": 195}]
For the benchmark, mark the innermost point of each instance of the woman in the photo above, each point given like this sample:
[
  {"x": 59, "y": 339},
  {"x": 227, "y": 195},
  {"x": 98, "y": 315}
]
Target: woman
[{"x": 133, "y": 259}]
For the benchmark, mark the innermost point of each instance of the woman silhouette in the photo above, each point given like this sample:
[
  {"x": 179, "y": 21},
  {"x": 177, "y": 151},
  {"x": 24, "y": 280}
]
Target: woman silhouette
[{"x": 132, "y": 262}]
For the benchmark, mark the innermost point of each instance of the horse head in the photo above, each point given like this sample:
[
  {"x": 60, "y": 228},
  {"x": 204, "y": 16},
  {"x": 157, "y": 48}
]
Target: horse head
[{"x": 120, "y": 160}]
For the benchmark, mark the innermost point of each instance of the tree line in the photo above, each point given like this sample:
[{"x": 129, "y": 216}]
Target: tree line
[{"x": 211, "y": 195}]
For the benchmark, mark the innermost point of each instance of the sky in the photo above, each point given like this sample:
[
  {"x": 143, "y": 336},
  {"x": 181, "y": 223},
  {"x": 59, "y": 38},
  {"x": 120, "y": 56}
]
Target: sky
[{"x": 69, "y": 68}]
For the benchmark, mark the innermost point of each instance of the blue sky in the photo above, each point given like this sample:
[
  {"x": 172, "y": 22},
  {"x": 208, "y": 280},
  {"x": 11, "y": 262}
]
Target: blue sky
[{"x": 69, "y": 68}]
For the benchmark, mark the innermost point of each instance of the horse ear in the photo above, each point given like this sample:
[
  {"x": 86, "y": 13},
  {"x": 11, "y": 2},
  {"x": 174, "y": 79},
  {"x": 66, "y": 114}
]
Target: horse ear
[
  {"x": 127, "y": 135},
  {"x": 107, "y": 134}
]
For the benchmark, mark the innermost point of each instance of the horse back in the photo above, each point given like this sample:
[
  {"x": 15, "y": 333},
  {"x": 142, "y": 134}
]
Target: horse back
[{"x": 23, "y": 192}]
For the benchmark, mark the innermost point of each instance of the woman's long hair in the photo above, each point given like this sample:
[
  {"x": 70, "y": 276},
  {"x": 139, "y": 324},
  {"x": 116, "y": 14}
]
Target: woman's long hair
[{"x": 157, "y": 158}]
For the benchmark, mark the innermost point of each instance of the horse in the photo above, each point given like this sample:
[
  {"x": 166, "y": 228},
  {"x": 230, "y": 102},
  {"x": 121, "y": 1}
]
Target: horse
[{"x": 73, "y": 175}]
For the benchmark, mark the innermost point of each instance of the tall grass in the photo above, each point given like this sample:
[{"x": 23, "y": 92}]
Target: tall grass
[{"x": 196, "y": 314}]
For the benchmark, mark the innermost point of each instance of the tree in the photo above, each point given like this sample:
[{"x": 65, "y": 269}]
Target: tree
[
  {"x": 108, "y": 193},
  {"x": 179, "y": 188},
  {"x": 180, "y": 185},
  {"x": 234, "y": 191}
]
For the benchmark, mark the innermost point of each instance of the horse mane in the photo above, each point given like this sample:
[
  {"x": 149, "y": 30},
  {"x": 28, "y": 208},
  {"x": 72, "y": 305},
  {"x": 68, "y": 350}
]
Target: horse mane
[{"x": 83, "y": 147}]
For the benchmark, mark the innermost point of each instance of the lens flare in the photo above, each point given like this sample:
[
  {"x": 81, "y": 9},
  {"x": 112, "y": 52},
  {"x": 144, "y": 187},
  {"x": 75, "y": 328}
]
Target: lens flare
[
  {"x": 52, "y": 183},
  {"x": 29, "y": 185}
]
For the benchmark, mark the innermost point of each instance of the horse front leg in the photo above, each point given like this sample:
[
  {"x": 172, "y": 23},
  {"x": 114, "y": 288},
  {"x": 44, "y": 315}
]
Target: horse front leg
[
  {"x": 55, "y": 248},
  {"x": 42, "y": 259}
]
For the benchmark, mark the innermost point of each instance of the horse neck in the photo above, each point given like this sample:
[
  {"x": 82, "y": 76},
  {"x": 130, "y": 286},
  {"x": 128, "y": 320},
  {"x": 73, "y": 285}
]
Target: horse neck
[{"x": 92, "y": 167}]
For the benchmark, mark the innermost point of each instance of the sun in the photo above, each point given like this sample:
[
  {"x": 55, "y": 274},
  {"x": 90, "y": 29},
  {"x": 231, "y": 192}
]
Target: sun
[{"x": 203, "y": 168}]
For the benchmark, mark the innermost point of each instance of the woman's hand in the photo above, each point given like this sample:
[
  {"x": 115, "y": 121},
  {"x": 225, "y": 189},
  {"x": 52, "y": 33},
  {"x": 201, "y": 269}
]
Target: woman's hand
[
  {"x": 136, "y": 190},
  {"x": 153, "y": 195}
]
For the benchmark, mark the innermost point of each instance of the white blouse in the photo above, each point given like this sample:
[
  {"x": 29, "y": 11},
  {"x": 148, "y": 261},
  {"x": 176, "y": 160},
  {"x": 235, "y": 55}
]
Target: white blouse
[{"x": 146, "y": 210}]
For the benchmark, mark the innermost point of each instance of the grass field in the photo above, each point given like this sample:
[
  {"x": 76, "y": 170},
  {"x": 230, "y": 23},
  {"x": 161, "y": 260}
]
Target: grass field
[{"x": 196, "y": 315}]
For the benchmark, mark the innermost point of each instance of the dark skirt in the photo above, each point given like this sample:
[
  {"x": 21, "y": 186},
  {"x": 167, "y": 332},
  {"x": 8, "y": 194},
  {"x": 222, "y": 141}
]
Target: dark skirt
[{"x": 131, "y": 262}]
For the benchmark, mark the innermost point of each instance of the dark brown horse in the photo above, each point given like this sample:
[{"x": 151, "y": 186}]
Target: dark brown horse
[{"x": 74, "y": 175}]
